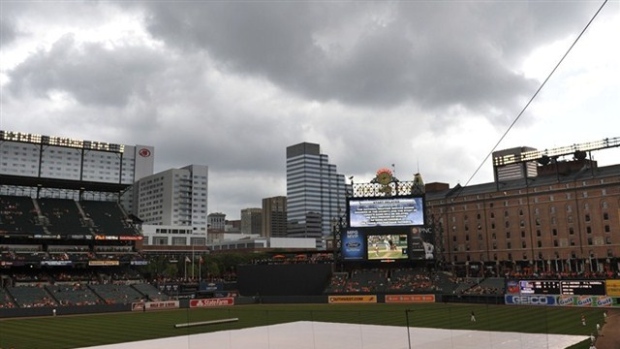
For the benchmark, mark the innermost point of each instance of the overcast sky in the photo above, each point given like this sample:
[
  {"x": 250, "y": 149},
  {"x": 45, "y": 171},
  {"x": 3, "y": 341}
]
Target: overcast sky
[{"x": 428, "y": 86}]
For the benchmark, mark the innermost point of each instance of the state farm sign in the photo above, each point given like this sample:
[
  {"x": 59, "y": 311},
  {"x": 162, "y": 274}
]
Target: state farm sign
[{"x": 211, "y": 302}]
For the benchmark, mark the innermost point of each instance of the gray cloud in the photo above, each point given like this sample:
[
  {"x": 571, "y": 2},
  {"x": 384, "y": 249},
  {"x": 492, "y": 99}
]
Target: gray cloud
[
  {"x": 92, "y": 74},
  {"x": 436, "y": 55},
  {"x": 232, "y": 84},
  {"x": 8, "y": 33}
]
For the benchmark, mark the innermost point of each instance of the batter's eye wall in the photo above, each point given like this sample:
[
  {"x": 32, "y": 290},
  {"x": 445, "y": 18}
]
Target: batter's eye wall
[{"x": 283, "y": 279}]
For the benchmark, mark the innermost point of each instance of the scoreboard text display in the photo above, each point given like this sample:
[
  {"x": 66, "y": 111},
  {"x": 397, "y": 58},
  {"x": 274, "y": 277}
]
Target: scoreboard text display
[{"x": 556, "y": 287}]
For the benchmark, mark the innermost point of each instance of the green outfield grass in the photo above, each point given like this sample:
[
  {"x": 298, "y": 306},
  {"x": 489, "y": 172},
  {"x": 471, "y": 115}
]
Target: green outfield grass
[{"x": 89, "y": 330}]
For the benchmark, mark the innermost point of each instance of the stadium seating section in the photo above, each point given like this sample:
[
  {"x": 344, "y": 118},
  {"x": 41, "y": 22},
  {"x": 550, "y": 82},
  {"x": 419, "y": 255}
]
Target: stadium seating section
[
  {"x": 18, "y": 216},
  {"x": 62, "y": 217}
]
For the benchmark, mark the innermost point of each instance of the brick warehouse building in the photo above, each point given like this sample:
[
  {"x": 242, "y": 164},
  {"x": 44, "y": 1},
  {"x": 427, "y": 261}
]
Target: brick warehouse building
[{"x": 540, "y": 214}]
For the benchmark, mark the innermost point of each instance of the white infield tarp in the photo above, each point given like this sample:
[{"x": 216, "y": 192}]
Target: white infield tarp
[{"x": 321, "y": 335}]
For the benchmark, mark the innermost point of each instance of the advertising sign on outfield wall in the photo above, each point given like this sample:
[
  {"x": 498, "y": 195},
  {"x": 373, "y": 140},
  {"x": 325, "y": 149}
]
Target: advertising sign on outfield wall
[
  {"x": 144, "y": 306},
  {"x": 530, "y": 300},
  {"x": 410, "y": 298},
  {"x": 612, "y": 288},
  {"x": 211, "y": 302},
  {"x": 351, "y": 299},
  {"x": 563, "y": 301}
]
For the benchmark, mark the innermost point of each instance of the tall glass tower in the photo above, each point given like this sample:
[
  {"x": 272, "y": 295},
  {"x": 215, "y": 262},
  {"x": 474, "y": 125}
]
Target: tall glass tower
[{"x": 316, "y": 193}]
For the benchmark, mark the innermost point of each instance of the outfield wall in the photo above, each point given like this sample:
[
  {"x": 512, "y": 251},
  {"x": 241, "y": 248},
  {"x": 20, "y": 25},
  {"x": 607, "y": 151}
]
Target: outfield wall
[
  {"x": 563, "y": 301},
  {"x": 69, "y": 310}
]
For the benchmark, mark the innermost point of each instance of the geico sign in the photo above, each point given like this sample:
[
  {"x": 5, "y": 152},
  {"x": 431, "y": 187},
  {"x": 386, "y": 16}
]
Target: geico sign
[{"x": 531, "y": 300}]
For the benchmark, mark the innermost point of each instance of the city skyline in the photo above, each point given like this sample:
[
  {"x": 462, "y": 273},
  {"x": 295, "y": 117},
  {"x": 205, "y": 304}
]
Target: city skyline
[{"x": 428, "y": 87}]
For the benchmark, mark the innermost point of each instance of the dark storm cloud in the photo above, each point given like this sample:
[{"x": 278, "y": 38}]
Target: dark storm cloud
[
  {"x": 437, "y": 55},
  {"x": 8, "y": 33},
  {"x": 92, "y": 74}
]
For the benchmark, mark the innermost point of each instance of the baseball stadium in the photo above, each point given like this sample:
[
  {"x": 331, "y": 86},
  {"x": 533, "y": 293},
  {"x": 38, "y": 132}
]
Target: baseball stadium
[{"x": 409, "y": 265}]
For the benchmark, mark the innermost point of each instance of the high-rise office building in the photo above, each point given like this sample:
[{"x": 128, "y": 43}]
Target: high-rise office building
[
  {"x": 251, "y": 221},
  {"x": 274, "y": 217},
  {"x": 216, "y": 221},
  {"x": 173, "y": 198},
  {"x": 316, "y": 193}
]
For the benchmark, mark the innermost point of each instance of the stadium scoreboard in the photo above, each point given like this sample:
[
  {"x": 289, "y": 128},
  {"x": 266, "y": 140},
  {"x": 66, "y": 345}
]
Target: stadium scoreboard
[
  {"x": 583, "y": 287},
  {"x": 539, "y": 287},
  {"x": 558, "y": 287}
]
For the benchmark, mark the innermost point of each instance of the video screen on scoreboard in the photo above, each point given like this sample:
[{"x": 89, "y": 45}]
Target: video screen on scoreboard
[
  {"x": 387, "y": 246},
  {"x": 386, "y": 211}
]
